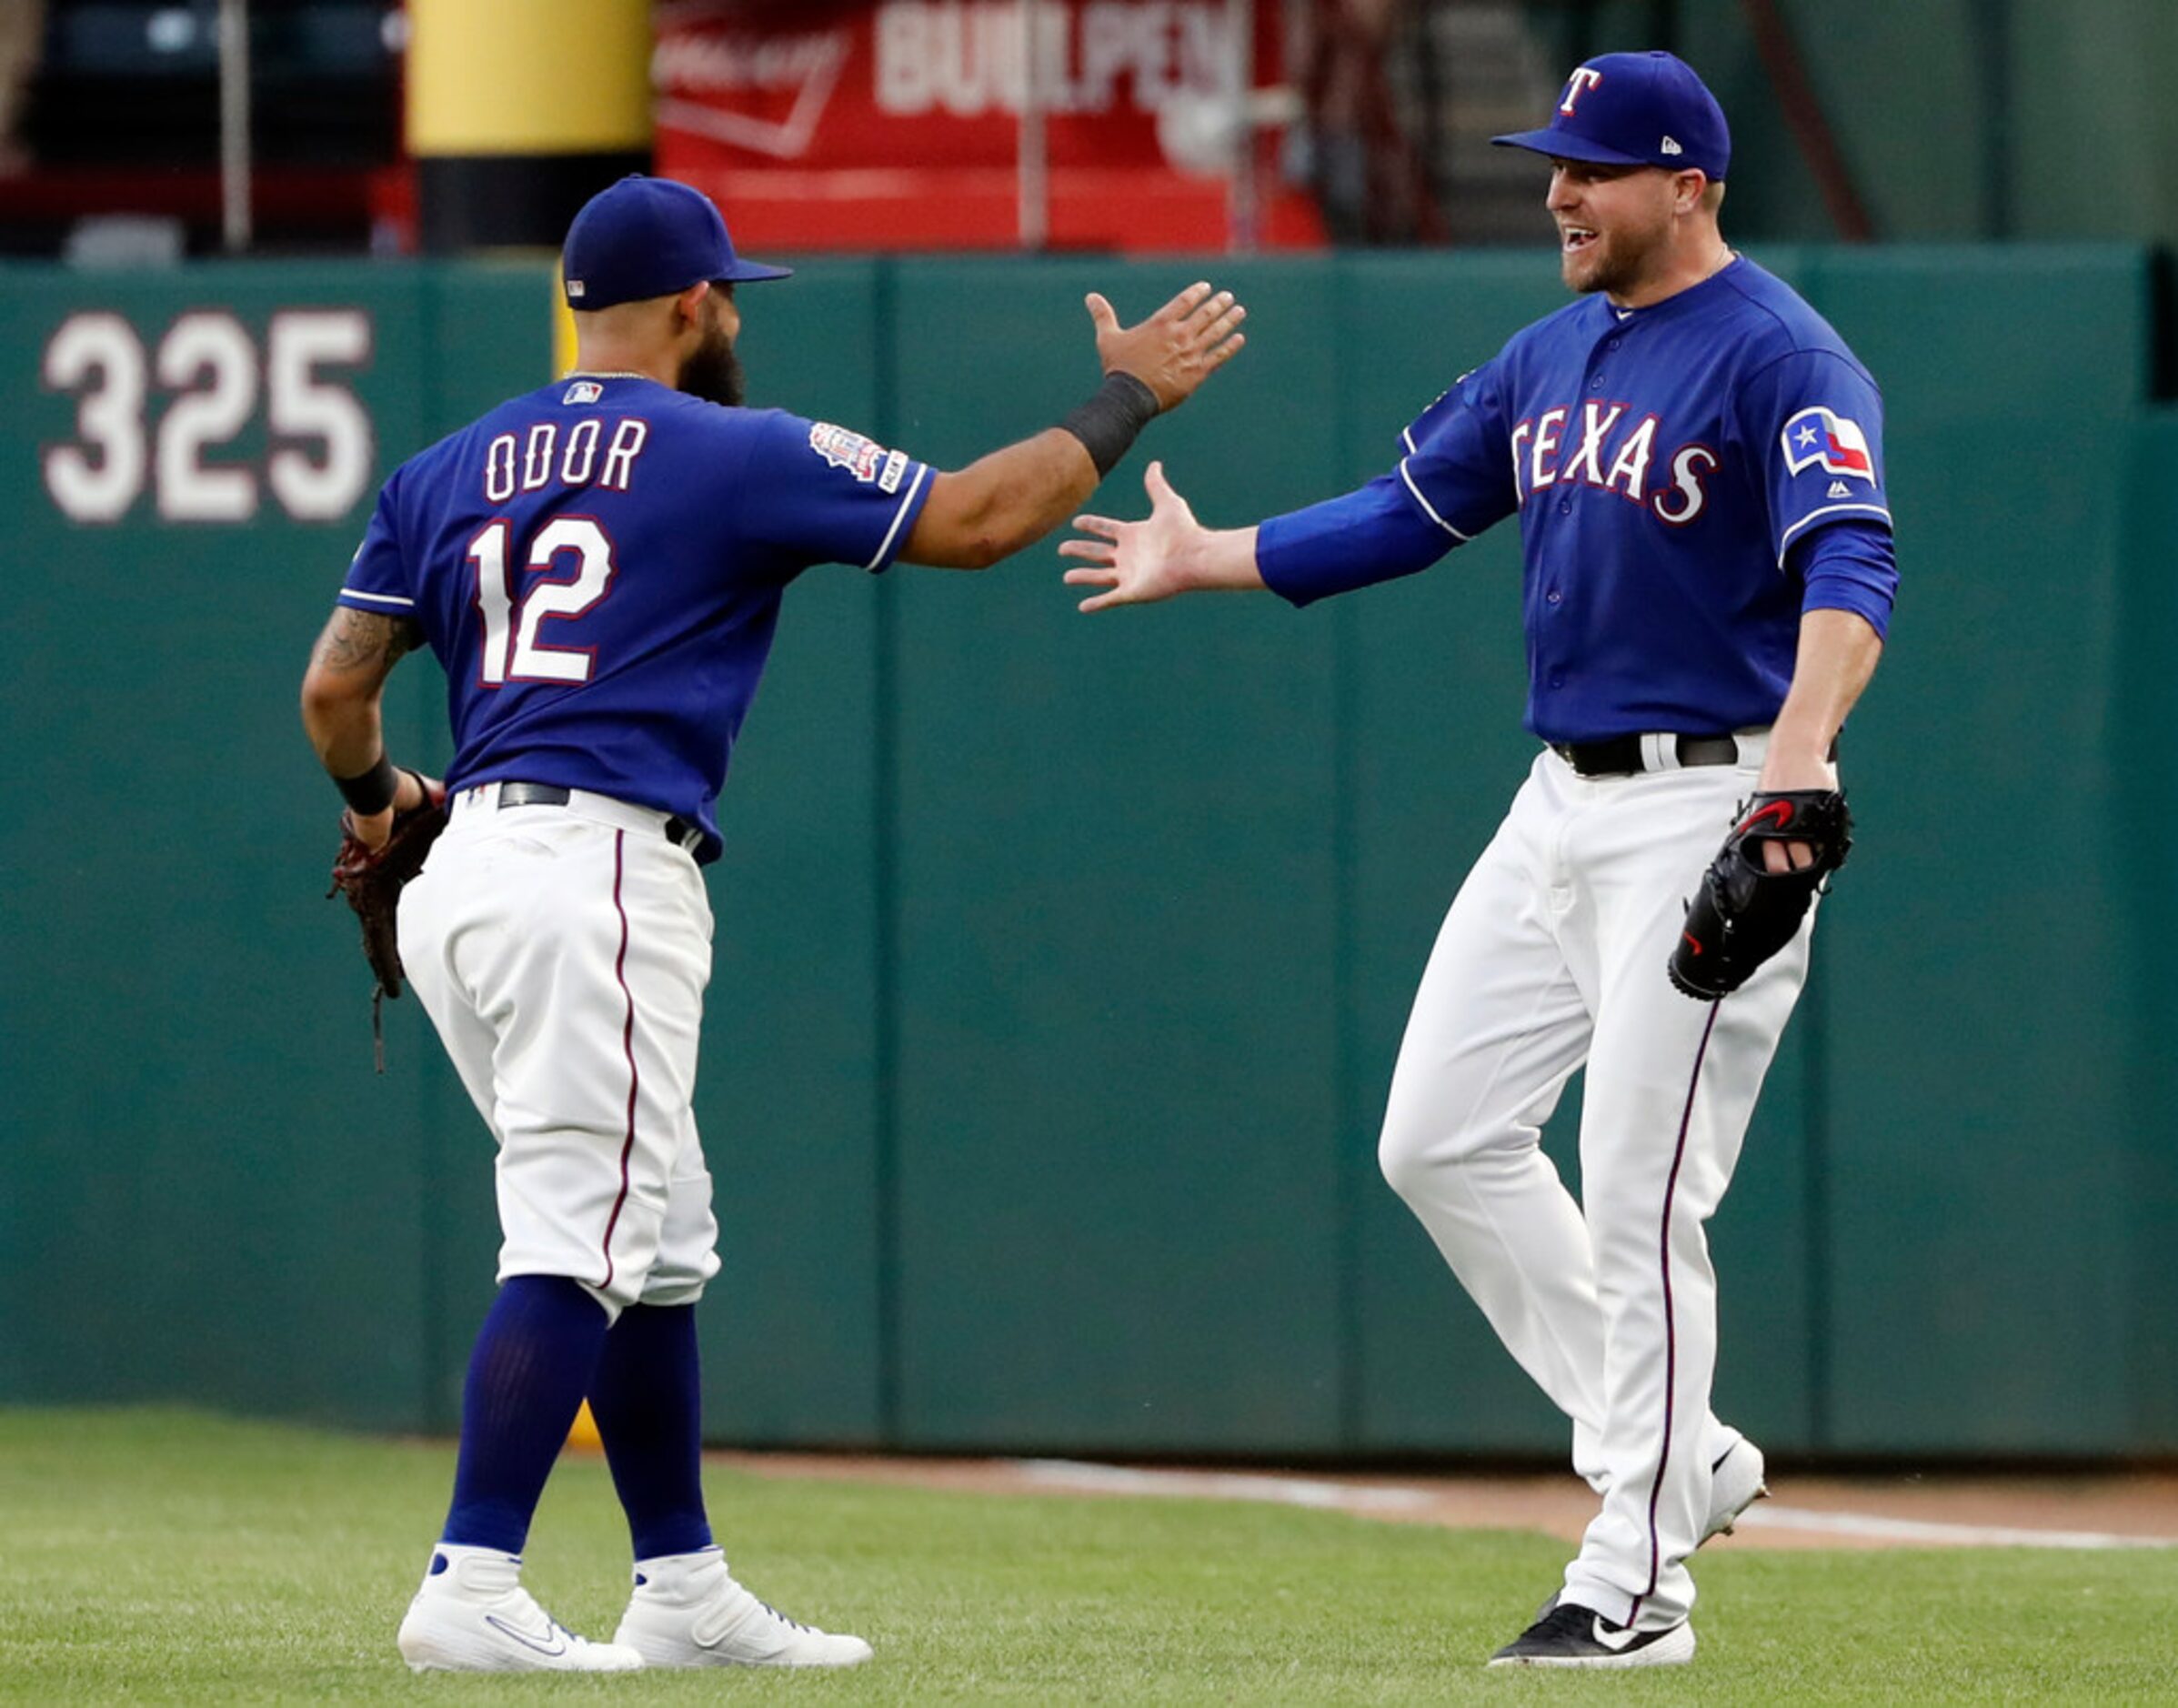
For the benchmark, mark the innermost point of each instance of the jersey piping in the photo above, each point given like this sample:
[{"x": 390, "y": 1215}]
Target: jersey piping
[
  {"x": 1427, "y": 506},
  {"x": 899, "y": 515},
  {"x": 1827, "y": 510}
]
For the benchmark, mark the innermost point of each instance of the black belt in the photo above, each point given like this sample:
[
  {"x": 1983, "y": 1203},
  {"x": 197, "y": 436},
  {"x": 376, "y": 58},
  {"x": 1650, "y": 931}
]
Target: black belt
[
  {"x": 681, "y": 831},
  {"x": 1620, "y": 756}
]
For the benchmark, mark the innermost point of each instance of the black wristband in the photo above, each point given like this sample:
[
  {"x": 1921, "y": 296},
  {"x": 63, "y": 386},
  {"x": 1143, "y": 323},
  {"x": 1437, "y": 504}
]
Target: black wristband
[
  {"x": 1107, "y": 422},
  {"x": 373, "y": 790}
]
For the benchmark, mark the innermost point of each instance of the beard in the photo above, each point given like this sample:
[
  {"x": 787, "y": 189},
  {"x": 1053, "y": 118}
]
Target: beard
[
  {"x": 712, "y": 371},
  {"x": 1617, "y": 264},
  {"x": 1605, "y": 267}
]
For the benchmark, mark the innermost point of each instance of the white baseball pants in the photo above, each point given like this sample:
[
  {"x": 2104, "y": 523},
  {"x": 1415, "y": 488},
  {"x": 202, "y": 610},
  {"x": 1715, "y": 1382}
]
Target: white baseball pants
[
  {"x": 562, "y": 952},
  {"x": 1553, "y": 955}
]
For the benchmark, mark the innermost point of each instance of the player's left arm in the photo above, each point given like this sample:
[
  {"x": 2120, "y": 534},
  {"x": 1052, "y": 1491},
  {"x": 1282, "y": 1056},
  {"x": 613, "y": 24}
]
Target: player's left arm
[
  {"x": 343, "y": 691},
  {"x": 1837, "y": 655},
  {"x": 1816, "y": 419}
]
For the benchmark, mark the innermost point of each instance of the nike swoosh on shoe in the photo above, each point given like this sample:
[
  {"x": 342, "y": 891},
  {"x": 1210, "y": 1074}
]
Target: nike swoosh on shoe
[{"x": 553, "y": 1644}]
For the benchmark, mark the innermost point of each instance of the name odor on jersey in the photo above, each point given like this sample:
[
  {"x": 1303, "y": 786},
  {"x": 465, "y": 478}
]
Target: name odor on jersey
[{"x": 526, "y": 463}]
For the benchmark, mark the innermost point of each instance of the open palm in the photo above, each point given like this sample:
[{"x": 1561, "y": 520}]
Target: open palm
[{"x": 1137, "y": 563}]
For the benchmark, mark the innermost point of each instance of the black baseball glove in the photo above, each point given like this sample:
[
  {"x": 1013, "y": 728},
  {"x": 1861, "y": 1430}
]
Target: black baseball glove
[
  {"x": 1744, "y": 913},
  {"x": 372, "y": 879}
]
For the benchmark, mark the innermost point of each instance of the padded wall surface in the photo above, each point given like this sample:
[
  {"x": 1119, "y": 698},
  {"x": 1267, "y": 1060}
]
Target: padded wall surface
[{"x": 1062, "y": 960}]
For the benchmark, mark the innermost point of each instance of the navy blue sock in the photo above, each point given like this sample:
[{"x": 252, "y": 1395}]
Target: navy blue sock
[
  {"x": 532, "y": 1363},
  {"x": 648, "y": 1399}
]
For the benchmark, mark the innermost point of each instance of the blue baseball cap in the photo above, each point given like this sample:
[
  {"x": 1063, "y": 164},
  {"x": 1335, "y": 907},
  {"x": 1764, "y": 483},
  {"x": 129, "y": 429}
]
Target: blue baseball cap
[
  {"x": 645, "y": 238},
  {"x": 1635, "y": 110}
]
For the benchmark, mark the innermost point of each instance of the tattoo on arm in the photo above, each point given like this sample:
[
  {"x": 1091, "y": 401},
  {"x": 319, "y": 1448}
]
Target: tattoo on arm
[{"x": 365, "y": 641}]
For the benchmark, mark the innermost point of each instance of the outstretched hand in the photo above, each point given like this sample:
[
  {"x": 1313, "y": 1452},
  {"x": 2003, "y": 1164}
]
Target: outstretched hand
[
  {"x": 1138, "y": 562},
  {"x": 1176, "y": 348}
]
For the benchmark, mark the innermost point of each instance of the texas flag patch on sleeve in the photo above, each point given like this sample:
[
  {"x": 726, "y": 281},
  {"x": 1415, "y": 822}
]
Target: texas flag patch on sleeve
[{"x": 1820, "y": 438}]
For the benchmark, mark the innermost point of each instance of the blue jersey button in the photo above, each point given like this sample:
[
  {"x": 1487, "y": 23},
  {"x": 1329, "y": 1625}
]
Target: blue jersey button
[
  {"x": 1554, "y": 596},
  {"x": 1565, "y": 507}
]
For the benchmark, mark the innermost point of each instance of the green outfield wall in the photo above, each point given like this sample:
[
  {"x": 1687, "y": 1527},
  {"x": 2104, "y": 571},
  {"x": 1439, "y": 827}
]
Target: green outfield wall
[
  {"x": 1952, "y": 119},
  {"x": 1062, "y": 961}
]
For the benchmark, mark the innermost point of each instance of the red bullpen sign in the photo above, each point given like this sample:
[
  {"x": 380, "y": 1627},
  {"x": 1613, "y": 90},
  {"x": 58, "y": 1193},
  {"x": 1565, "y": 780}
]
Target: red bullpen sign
[{"x": 819, "y": 124}]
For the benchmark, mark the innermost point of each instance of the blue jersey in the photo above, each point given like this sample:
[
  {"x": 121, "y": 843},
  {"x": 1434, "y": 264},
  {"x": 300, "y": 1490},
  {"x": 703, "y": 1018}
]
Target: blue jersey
[
  {"x": 598, "y": 566},
  {"x": 1689, "y": 477}
]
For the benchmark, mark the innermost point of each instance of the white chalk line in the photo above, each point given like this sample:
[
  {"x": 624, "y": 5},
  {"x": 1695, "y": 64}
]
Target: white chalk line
[
  {"x": 1773, "y": 1517},
  {"x": 1072, "y": 1473}
]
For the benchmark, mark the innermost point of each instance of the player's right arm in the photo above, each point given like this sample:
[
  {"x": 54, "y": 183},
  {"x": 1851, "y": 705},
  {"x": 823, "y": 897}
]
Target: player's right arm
[
  {"x": 1167, "y": 553},
  {"x": 342, "y": 694},
  {"x": 1014, "y": 497},
  {"x": 1453, "y": 482},
  {"x": 371, "y": 628}
]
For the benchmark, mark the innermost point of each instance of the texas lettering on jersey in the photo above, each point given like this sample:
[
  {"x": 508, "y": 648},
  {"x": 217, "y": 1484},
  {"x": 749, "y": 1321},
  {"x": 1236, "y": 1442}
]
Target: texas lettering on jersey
[
  {"x": 1607, "y": 450},
  {"x": 1667, "y": 408}
]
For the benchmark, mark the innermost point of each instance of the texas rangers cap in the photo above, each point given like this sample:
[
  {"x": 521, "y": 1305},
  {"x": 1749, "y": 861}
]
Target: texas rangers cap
[
  {"x": 1635, "y": 110},
  {"x": 645, "y": 238}
]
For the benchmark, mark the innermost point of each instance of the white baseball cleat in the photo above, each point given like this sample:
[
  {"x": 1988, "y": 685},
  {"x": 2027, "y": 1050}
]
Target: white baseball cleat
[
  {"x": 1736, "y": 1484},
  {"x": 472, "y": 1615},
  {"x": 687, "y": 1611}
]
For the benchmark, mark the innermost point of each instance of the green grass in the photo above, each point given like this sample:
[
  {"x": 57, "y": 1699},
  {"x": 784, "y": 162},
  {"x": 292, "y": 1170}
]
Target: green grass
[{"x": 161, "y": 1556}]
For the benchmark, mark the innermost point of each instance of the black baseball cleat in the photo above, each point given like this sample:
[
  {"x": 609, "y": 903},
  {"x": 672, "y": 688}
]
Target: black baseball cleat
[{"x": 1573, "y": 1635}]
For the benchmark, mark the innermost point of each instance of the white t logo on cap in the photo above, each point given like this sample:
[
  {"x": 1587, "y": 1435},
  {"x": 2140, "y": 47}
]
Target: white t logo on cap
[{"x": 1584, "y": 77}]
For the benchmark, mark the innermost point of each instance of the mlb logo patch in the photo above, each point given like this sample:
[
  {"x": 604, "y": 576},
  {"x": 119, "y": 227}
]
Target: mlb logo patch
[
  {"x": 583, "y": 391},
  {"x": 574, "y": 289},
  {"x": 1821, "y": 437},
  {"x": 846, "y": 450}
]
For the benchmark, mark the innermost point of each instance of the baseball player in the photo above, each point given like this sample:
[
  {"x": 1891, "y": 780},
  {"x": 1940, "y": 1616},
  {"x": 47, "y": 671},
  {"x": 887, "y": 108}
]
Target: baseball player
[
  {"x": 1695, "y": 459},
  {"x": 598, "y": 566}
]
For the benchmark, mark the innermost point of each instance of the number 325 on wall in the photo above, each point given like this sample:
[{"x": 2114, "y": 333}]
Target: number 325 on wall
[{"x": 321, "y": 451}]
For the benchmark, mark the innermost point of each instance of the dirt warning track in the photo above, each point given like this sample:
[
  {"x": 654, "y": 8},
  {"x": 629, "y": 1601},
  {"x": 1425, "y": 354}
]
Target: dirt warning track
[{"x": 2083, "y": 1512}]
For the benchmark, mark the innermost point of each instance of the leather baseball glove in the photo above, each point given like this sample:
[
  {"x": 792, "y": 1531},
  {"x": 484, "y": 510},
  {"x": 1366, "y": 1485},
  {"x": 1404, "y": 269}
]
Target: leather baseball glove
[
  {"x": 372, "y": 879},
  {"x": 1744, "y": 913}
]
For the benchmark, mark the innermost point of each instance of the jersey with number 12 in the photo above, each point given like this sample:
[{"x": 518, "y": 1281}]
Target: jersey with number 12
[{"x": 599, "y": 566}]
